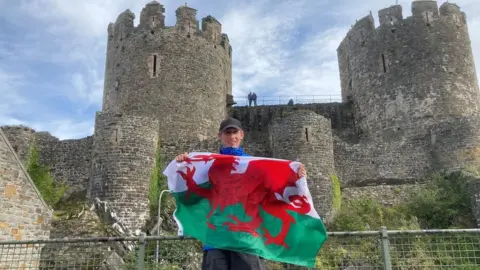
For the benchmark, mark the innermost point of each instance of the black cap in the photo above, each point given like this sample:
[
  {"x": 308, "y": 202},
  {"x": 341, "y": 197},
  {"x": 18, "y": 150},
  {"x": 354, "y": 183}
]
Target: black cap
[{"x": 230, "y": 123}]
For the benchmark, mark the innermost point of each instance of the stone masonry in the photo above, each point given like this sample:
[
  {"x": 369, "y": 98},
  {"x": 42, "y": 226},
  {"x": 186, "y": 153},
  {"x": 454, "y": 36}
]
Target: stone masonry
[
  {"x": 123, "y": 162},
  {"x": 170, "y": 73},
  {"x": 307, "y": 137},
  {"x": 24, "y": 215},
  {"x": 410, "y": 108}
]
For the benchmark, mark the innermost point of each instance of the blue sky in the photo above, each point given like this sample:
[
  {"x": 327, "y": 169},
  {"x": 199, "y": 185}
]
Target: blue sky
[{"x": 52, "y": 52}]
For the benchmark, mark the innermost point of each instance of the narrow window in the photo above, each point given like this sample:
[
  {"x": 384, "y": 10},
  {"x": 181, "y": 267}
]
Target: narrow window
[
  {"x": 154, "y": 65},
  {"x": 153, "y": 19},
  {"x": 116, "y": 135},
  {"x": 428, "y": 17},
  {"x": 306, "y": 134},
  {"x": 383, "y": 63}
]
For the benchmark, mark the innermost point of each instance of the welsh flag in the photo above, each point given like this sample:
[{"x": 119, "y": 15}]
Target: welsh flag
[{"x": 247, "y": 204}]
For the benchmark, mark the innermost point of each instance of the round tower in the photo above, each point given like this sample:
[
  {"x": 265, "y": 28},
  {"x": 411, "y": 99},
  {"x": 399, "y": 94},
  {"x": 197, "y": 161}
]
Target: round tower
[
  {"x": 123, "y": 160},
  {"x": 456, "y": 144},
  {"x": 180, "y": 75},
  {"x": 307, "y": 137},
  {"x": 409, "y": 73}
]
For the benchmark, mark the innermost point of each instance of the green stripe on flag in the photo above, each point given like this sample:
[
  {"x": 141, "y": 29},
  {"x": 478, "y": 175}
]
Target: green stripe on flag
[{"x": 305, "y": 237}]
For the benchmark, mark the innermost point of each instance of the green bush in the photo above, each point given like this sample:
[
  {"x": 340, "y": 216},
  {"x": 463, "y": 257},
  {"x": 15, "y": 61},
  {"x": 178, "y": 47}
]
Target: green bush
[
  {"x": 367, "y": 214},
  {"x": 444, "y": 202},
  {"x": 51, "y": 192}
]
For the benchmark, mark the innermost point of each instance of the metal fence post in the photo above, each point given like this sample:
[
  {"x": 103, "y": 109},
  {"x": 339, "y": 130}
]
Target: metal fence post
[
  {"x": 141, "y": 251},
  {"x": 159, "y": 223},
  {"x": 387, "y": 263}
]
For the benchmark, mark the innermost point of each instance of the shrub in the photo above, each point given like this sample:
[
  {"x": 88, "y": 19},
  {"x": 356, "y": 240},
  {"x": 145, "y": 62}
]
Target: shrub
[
  {"x": 443, "y": 203},
  {"x": 367, "y": 214},
  {"x": 51, "y": 192}
]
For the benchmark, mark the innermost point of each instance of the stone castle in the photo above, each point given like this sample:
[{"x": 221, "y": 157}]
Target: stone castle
[{"x": 410, "y": 107}]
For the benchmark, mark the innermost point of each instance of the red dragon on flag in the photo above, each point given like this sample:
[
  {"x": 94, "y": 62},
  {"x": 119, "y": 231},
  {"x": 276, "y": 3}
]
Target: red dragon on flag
[{"x": 252, "y": 189}]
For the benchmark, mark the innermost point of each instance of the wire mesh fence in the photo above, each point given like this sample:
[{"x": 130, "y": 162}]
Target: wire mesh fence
[{"x": 412, "y": 250}]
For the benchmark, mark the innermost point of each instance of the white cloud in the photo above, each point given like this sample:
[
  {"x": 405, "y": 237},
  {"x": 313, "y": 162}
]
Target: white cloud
[
  {"x": 53, "y": 59},
  {"x": 263, "y": 37},
  {"x": 9, "y": 91},
  {"x": 68, "y": 129}
]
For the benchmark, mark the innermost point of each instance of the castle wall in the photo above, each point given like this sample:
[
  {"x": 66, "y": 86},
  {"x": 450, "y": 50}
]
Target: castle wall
[
  {"x": 387, "y": 195},
  {"x": 24, "y": 214},
  {"x": 367, "y": 163},
  {"x": 123, "y": 160},
  {"x": 169, "y": 149},
  {"x": 307, "y": 136},
  {"x": 175, "y": 73},
  {"x": 68, "y": 160},
  {"x": 20, "y": 138},
  {"x": 456, "y": 144},
  {"x": 408, "y": 74}
]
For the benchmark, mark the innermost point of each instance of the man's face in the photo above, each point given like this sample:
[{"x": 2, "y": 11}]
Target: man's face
[{"x": 231, "y": 137}]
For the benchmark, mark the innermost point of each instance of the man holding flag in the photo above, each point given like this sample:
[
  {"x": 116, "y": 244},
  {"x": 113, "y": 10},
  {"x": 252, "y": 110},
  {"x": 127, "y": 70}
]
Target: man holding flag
[{"x": 274, "y": 187}]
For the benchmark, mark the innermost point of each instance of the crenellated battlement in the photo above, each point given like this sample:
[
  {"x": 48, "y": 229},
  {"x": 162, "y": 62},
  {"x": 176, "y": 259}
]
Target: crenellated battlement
[
  {"x": 390, "y": 15},
  {"x": 420, "y": 7},
  {"x": 406, "y": 63},
  {"x": 152, "y": 20},
  {"x": 411, "y": 107},
  {"x": 152, "y": 16},
  {"x": 425, "y": 11},
  {"x": 169, "y": 64}
]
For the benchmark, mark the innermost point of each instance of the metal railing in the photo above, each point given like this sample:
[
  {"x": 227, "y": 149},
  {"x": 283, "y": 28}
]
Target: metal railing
[
  {"x": 283, "y": 100},
  {"x": 422, "y": 249}
]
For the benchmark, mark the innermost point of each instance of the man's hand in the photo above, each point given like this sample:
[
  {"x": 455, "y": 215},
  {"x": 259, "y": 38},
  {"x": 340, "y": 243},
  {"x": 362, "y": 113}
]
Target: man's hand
[
  {"x": 302, "y": 172},
  {"x": 181, "y": 157}
]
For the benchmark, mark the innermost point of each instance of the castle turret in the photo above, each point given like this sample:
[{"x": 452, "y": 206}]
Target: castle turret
[
  {"x": 186, "y": 20},
  {"x": 423, "y": 7},
  {"x": 177, "y": 74},
  {"x": 212, "y": 29},
  {"x": 152, "y": 16},
  {"x": 404, "y": 77},
  {"x": 124, "y": 149},
  {"x": 307, "y": 137},
  {"x": 390, "y": 15}
]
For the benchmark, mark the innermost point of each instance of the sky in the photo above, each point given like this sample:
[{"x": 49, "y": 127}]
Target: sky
[{"x": 52, "y": 52}]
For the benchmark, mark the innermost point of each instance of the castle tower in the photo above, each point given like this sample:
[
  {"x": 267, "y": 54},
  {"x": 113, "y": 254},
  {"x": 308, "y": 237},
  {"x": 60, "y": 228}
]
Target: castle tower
[
  {"x": 123, "y": 161},
  {"x": 180, "y": 75},
  {"x": 409, "y": 73},
  {"x": 307, "y": 136}
]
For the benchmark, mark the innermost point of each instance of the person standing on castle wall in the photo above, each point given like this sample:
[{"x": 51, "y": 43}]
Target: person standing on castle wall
[
  {"x": 254, "y": 98},
  {"x": 250, "y": 99},
  {"x": 231, "y": 135}
]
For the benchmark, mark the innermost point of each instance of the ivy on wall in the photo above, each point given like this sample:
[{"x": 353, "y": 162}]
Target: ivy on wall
[
  {"x": 157, "y": 182},
  {"x": 337, "y": 193},
  {"x": 51, "y": 192}
]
